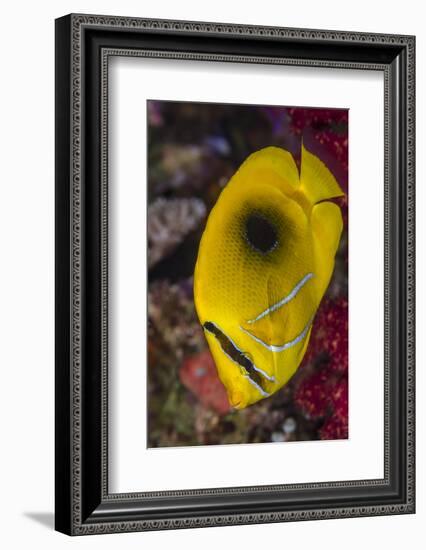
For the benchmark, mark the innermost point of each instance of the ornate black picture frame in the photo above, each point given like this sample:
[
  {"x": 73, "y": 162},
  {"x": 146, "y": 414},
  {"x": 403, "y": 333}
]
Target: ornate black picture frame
[{"x": 84, "y": 44}]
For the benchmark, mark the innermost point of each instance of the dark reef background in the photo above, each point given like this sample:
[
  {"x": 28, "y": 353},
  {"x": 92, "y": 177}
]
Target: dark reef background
[{"x": 193, "y": 150}]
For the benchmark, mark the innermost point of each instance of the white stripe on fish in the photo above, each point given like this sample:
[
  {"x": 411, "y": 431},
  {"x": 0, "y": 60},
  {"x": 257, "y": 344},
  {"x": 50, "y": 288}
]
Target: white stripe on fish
[
  {"x": 253, "y": 383},
  {"x": 284, "y": 300},
  {"x": 284, "y": 346}
]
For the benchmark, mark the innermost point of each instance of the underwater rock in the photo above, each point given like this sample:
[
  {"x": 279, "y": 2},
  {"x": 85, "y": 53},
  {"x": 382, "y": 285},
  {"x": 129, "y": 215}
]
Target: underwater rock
[
  {"x": 198, "y": 373},
  {"x": 169, "y": 221},
  {"x": 289, "y": 425},
  {"x": 173, "y": 326},
  {"x": 155, "y": 114}
]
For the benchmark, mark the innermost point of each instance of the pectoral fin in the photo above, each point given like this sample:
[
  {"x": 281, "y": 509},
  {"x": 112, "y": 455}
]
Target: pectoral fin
[
  {"x": 327, "y": 224},
  {"x": 317, "y": 182}
]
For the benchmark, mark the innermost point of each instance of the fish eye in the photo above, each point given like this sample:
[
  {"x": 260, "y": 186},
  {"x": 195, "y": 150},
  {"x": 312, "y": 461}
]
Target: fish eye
[{"x": 260, "y": 233}]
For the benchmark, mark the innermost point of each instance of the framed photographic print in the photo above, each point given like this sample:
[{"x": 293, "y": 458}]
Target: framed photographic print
[{"x": 234, "y": 274}]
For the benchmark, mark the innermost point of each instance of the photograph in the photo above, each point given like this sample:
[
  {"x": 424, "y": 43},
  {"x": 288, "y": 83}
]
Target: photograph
[{"x": 247, "y": 258}]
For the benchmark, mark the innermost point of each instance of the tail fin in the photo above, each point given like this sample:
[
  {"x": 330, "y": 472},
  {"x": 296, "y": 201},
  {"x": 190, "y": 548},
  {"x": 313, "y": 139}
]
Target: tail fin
[{"x": 317, "y": 182}]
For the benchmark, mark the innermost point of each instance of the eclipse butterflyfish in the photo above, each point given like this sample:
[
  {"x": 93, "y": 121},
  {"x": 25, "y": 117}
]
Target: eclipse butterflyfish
[{"x": 264, "y": 262}]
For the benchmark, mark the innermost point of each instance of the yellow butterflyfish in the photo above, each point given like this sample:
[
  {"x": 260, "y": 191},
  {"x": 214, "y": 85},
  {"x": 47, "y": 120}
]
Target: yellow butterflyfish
[{"x": 265, "y": 260}]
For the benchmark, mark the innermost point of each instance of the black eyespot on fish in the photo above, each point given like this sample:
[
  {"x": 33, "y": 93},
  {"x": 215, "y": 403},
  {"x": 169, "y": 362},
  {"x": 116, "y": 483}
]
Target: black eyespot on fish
[{"x": 261, "y": 233}]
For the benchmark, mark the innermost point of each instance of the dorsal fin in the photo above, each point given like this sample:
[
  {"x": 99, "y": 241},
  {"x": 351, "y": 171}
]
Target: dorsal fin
[
  {"x": 317, "y": 182},
  {"x": 274, "y": 160}
]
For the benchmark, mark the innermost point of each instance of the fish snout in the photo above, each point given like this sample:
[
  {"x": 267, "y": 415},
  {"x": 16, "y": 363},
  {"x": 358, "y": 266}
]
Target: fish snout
[{"x": 236, "y": 398}]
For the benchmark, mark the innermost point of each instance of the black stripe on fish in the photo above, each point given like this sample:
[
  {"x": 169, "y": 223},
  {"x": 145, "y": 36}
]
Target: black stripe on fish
[{"x": 234, "y": 353}]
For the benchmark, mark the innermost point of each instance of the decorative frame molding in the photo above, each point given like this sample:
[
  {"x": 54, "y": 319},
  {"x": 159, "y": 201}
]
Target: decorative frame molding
[{"x": 84, "y": 43}]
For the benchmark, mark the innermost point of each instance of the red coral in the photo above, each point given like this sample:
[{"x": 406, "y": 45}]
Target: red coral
[
  {"x": 339, "y": 398},
  {"x": 312, "y": 395},
  {"x": 334, "y": 428},
  {"x": 318, "y": 119},
  {"x": 335, "y": 319},
  {"x": 330, "y": 334},
  {"x": 326, "y": 131},
  {"x": 198, "y": 373},
  {"x": 324, "y": 393}
]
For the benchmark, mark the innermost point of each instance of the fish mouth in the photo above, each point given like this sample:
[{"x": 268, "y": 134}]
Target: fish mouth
[{"x": 255, "y": 376}]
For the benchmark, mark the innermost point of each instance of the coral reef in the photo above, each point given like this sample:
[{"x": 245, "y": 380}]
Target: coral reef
[
  {"x": 193, "y": 150},
  {"x": 322, "y": 394}
]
